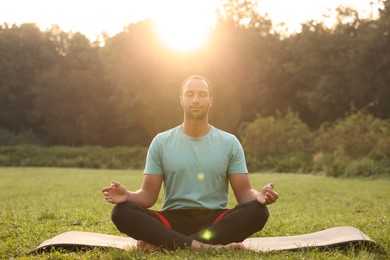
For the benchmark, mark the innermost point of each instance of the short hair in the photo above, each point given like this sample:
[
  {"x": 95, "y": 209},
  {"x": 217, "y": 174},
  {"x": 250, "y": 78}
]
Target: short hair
[{"x": 210, "y": 87}]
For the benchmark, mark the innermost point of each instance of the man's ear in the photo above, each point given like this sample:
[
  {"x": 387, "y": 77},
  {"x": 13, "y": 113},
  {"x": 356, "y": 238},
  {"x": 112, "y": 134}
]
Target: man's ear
[{"x": 181, "y": 100}]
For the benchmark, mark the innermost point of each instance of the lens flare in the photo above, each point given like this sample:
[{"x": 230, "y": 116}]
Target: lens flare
[
  {"x": 201, "y": 176},
  {"x": 207, "y": 235}
]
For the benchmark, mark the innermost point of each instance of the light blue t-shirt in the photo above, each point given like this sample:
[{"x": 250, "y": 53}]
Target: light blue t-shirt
[{"x": 195, "y": 169}]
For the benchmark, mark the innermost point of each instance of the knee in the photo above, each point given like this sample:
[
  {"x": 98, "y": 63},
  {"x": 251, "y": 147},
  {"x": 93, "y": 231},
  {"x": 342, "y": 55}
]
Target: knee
[
  {"x": 121, "y": 212},
  {"x": 259, "y": 214}
]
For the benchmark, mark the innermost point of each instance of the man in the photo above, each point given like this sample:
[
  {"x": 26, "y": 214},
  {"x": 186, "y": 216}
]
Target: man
[{"x": 196, "y": 162}]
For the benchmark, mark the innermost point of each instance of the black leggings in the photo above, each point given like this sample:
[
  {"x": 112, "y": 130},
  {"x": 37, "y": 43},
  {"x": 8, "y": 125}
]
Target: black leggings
[{"x": 174, "y": 229}]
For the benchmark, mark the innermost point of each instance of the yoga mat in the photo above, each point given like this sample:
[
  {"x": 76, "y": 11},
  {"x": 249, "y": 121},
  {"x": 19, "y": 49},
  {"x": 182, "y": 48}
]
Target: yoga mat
[{"x": 332, "y": 237}]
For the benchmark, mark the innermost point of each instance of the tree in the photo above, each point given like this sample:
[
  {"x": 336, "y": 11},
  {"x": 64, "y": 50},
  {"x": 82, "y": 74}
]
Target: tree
[
  {"x": 24, "y": 52},
  {"x": 71, "y": 100},
  {"x": 370, "y": 74}
]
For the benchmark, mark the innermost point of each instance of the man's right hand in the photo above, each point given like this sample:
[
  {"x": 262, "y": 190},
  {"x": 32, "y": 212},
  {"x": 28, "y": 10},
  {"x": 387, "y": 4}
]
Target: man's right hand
[{"x": 116, "y": 193}]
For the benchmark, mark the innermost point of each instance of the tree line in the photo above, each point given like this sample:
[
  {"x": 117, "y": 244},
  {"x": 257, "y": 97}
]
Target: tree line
[{"x": 63, "y": 89}]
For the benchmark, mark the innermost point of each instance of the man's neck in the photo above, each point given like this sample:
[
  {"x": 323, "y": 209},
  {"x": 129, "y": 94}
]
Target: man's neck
[{"x": 196, "y": 128}]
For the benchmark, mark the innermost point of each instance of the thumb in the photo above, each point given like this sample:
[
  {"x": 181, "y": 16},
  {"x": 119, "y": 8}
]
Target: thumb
[
  {"x": 115, "y": 184},
  {"x": 267, "y": 187}
]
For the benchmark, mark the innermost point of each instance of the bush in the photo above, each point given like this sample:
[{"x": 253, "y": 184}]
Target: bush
[
  {"x": 359, "y": 134},
  {"x": 366, "y": 167},
  {"x": 335, "y": 166},
  {"x": 81, "y": 157},
  {"x": 8, "y": 138},
  {"x": 281, "y": 143},
  {"x": 357, "y": 145}
]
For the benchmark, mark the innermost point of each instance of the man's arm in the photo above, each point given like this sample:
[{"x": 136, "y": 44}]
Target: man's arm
[
  {"x": 243, "y": 190},
  {"x": 146, "y": 196}
]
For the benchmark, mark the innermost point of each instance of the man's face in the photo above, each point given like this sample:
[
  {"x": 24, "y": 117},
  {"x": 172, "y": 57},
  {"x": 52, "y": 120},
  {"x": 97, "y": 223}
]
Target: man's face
[{"x": 195, "y": 99}]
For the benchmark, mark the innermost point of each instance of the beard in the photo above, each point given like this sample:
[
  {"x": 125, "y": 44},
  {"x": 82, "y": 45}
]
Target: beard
[{"x": 198, "y": 115}]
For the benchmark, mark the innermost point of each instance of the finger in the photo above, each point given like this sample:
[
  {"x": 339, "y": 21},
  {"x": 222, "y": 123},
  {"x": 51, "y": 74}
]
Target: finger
[
  {"x": 274, "y": 194},
  {"x": 267, "y": 200},
  {"x": 110, "y": 200},
  {"x": 106, "y": 189},
  {"x": 270, "y": 198},
  {"x": 268, "y": 187}
]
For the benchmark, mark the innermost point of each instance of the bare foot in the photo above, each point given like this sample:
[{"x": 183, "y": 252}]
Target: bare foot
[
  {"x": 229, "y": 246},
  {"x": 196, "y": 244},
  {"x": 147, "y": 246}
]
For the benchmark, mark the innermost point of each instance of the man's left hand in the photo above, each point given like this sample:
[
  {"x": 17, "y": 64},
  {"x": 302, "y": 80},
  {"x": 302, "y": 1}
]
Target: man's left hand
[{"x": 267, "y": 195}]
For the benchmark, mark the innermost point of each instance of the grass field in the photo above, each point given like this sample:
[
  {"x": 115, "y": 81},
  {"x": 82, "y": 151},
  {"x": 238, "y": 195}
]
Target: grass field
[{"x": 39, "y": 203}]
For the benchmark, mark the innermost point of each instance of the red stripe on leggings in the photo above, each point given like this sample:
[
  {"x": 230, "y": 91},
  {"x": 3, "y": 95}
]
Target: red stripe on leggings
[
  {"x": 163, "y": 219},
  {"x": 220, "y": 216}
]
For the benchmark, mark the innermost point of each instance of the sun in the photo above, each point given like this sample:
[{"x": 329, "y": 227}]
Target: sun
[{"x": 184, "y": 25}]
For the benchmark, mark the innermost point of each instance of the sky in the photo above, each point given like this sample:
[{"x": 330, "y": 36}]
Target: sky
[{"x": 92, "y": 17}]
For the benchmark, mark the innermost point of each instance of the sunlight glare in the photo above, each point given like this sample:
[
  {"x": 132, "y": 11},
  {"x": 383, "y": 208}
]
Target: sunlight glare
[
  {"x": 184, "y": 25},
  {"x": 294, "y": 13}
]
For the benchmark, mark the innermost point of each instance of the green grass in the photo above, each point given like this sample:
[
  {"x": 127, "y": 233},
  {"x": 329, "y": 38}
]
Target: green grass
[{"x": 39, "y": 203}]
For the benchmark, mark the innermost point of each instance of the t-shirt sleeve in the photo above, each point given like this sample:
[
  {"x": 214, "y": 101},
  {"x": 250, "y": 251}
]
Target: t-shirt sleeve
[
  {"x": 237, "y": 163},
  {"x": 153, "y": 158}
]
